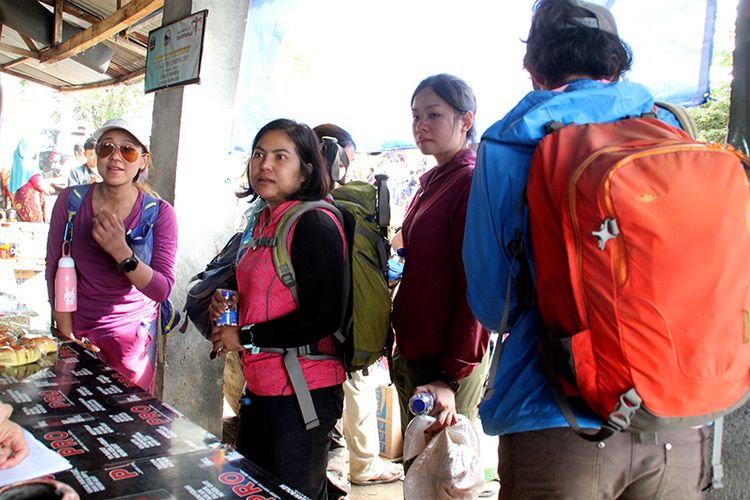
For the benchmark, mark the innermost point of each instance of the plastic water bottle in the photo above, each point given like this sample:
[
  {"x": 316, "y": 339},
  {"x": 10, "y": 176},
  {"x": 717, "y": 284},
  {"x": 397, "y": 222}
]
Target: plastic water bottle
[
  {"x": 65, "y": 284},
  {"x": 229, "y": 317},
  {"x": 421, "y": 403}
]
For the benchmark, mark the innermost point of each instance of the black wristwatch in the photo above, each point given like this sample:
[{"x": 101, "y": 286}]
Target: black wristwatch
[
  {"x": 452, "y": 383},
  {"x": 128, "y": 265},
  {"x": 247, "y": 338}
]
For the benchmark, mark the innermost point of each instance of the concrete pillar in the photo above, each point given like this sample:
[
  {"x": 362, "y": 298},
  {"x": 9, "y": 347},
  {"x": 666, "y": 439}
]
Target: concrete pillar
[{"x": 190, "y": 140}]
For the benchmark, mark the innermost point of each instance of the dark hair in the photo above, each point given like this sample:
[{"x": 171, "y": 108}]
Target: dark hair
[
  {"x": 559, "y": 46},
  {"x": 90, "y": 143},
  {"x": 331, "y": 130},
  {"x": 77, "y": 149},
  {"x": 454, "y": 91},
  {"x": 316, "y": 183}
]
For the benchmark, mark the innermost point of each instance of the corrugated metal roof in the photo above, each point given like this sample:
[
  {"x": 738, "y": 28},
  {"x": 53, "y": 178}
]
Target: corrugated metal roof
[{"x": 127, "y": 63}]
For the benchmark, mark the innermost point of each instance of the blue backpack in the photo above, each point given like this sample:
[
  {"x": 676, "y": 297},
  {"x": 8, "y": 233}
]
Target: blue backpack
[{"x": 140, "y": 239}]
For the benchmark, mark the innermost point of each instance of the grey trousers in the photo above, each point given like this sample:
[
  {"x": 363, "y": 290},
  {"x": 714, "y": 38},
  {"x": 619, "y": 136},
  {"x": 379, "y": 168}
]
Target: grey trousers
[{"x": 556, "y": 463}]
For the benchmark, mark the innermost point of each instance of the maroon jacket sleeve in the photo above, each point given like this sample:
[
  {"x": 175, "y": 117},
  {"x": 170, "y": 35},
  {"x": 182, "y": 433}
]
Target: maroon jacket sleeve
[{"x": 468, "y": 341}]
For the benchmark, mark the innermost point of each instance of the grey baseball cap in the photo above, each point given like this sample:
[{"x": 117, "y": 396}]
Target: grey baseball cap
[
  {"x": 123, "y": 124},
  {"x": 602, "y": 18}
]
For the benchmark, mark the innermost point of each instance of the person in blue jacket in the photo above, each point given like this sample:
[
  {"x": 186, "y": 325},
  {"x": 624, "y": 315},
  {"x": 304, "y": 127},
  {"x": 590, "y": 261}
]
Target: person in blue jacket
[{"x": 576, "y": 58}]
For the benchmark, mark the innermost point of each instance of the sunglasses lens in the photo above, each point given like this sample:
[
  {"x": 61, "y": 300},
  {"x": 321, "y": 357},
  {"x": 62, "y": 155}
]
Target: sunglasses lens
[
  {"x": 104, "y": 150},
  {"x": 129, "y": 153}
]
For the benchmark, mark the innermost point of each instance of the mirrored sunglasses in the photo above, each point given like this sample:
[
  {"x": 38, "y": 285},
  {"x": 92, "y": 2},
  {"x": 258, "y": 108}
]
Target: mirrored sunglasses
[{"x": 129, "y": 153}]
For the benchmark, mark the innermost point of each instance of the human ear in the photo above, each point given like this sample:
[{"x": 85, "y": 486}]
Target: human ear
[{"x": 468, "y": 120}]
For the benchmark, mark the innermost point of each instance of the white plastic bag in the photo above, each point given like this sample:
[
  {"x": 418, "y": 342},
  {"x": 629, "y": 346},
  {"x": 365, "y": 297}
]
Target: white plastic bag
[{"x": 448, "y": 467}]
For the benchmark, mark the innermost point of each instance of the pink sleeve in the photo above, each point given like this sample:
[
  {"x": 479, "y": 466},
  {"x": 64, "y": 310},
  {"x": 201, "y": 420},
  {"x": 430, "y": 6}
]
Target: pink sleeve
[{"x": 163, "y": 255}]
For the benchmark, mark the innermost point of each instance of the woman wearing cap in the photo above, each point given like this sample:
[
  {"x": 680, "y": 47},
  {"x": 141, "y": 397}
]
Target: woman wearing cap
[
  {"x": 440, "y": 346},
  {"x": 118, "y": 295},
  {"x": 575, "y": 58}
]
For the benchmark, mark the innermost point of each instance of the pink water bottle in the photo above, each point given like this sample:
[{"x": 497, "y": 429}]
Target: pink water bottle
[{"x": 65, "y": 282}]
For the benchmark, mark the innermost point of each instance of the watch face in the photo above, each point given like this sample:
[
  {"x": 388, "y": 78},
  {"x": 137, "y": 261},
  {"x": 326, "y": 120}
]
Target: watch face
[{"x": 128, "y": 265}]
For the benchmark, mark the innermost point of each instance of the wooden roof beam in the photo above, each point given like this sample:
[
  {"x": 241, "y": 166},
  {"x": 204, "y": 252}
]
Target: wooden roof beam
[
  {"x": 126, "y": 43},
  {"x": 14, "y": 62},
  {"x": 126, "y": 79},
  {"x": 31, "y": 78},
  {"x": 58, "y": 24},
  {"x": 119, "y": 20},
  {"x": 29, "y": 43},
  {"x": 18, "y": 51},
  {"x": 74, "y": 11}
]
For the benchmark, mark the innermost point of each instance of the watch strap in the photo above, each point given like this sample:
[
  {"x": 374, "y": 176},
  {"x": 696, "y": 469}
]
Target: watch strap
[{"x": 452, "y": 383}]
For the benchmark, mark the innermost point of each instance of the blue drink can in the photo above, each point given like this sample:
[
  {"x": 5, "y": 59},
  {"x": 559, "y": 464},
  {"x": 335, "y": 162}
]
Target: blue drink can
[{"x": 229, "y": 316}]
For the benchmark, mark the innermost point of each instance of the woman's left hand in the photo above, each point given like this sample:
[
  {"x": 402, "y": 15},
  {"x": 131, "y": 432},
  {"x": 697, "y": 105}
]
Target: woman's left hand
[
  {"x": 225, "y": 339},
  {"x": 444, "y": 409},
  {"x": 109, "y": 232}
]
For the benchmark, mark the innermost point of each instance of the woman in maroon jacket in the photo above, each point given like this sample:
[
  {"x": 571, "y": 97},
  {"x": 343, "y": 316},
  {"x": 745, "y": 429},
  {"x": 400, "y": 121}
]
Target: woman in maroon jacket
[{"x": 440, "y": 346}]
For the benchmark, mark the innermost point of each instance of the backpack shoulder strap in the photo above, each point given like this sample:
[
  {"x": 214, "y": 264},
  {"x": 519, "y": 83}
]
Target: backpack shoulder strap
[
  {"x": 686, "y": 120},
  {"x": 283, "y": 266},
  {"x": 282, "y": 261},
  {"x": 75, "y": 199},
  {"x": 149, "y": 209},
  {"x": 383, "y": 203}
]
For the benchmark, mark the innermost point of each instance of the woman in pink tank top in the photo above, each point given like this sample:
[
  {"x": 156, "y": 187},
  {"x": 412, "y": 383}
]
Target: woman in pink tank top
[{"x": 285, "y": 169}]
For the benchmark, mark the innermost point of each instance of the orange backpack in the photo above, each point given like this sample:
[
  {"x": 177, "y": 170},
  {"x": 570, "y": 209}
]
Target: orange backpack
[{"x": 641, "y": 243}]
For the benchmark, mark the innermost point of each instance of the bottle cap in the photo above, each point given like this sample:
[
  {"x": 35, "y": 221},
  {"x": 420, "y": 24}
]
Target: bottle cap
[
  {"x": 66, "y": 262},
  {"x": 418, "y": 406}
]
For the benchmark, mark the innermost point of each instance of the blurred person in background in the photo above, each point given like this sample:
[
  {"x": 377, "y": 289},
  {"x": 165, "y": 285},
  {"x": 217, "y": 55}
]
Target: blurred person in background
[
  {"x": 355, "y": 447},
  {"x": 86, "y": 171},
  {"x": 25, "y": 183}
]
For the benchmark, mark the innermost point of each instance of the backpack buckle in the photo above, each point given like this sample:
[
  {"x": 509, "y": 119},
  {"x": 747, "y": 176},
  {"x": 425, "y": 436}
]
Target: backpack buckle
[
  {"x": 630, "y": 403},
  {"x": 607, "y": 231}
]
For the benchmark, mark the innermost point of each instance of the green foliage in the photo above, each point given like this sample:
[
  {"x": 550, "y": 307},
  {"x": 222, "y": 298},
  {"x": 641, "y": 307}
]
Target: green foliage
[
  {"x": 98, "y": 106},
  {"x": 712, "y": 117}
]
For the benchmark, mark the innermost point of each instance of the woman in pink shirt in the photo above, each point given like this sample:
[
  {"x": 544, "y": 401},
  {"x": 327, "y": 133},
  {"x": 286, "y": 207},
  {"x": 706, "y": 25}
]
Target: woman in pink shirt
[
  {"x": 118, "y": 294},
  {"x": 286, "y": 168}
]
